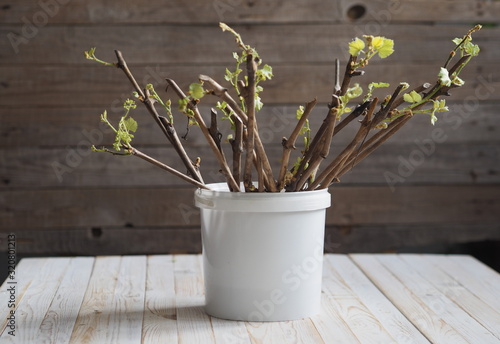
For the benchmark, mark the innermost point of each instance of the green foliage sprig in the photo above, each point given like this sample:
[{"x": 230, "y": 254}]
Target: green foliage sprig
[
  {"x": 123, "y": 133},
  {"x": 380, "y": 119}
]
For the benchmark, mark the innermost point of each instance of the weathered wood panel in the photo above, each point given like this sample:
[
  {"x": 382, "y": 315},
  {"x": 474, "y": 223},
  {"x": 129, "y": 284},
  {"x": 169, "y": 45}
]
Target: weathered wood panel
[
  {"x": 51, "y": 98},
  {"x": 420, "y": 162},
  {"x": 62, "y": 127},
  {"x": 159, "y": 240},
  {"x": 199, "y": 11},
  {"x": 162, "y": 206},
  {"x": 202, "y": 45},
  {"x": 86, "y": 86}
]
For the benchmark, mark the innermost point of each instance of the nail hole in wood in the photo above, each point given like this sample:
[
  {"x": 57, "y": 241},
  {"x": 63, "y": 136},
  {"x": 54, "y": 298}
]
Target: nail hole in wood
[
  {"x": 355, "y": 12},
  {"x": 96, "y": 232}
]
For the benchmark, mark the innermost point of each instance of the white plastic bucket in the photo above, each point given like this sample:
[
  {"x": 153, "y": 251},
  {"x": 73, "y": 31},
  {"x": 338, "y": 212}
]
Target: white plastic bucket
[{"x": 262, "y": 253}]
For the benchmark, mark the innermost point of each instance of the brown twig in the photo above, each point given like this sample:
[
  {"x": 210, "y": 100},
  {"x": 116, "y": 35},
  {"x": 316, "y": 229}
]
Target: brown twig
[
  {"x": 237, "y": 147},
  {"x": 321, "y": 153},
  {"x": 330, "y": 172},
  {"x": 214, "y": 129},
  {"x": 376, "y": 141},
  {"x": 250, "y": 137},
  {"x": 350, "y": 72},
  {"x": 179, "y": 148},
  {"x": 169, "y": 131},
  {"x": 222, "y": 93},
  {"x": 122, "y": 64},
  {"x": 358, "y": 111},
  {"x": 233, "y": 186},
  {"x": 167, "y": 168},
  {"x": 289, "y": 144}
]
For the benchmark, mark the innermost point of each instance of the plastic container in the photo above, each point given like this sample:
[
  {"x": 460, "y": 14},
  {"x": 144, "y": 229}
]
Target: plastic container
[{"x": 262, "y": 253}]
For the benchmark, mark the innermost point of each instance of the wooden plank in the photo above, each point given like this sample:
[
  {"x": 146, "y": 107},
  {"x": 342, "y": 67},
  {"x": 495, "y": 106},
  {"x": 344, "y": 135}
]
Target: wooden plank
[
  {"x": 208, "y": 45},
  {"x": 414, "y": 205},
  {"x": 93, "y": 322},
  {"x": 436, "y": 301},
  {"x": 397, "y": 237},
  {"x": 330, "y": 325},
  {"x": 65, "y": 207},
  {"x": 160, "y": 317},
  {"x": 26, "y": 271},
  {"x": 361, "y": 321},
  {"x": 36, "y": 301},
  {"x": 162, "y": 240},
  {"x": 377, "y": 11},
  {"x": 422, "y": 162},
  {"x": 230, "y": 331},
  {"x": 431, "y": 324},
  {"x": 80, "y": 127},
  {"x": 193, "y": 324},
  {"x": 297, "y": 331},
  {"x": 57, "y": 325},
  {"x": 91, "y": 85},
  {"x": 126, "y": 314},
  {"x": 173, "y": 207},
  {"x": 486, "y": 314},
  {"x": 395, "y": 323},
  {"x": 476, "y": 277},
  {"x": 112, "y": 241}
]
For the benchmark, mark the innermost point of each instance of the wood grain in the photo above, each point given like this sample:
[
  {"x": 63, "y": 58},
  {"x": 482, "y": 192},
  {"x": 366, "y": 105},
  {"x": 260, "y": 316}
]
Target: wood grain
[
  {"x": 470, "y": 302},
  {"x": 395, "y": 323},
  {"x": 93, "y": 320},
  {"x": 199, "y": 46},
  {"x": 194, "y": 324},
  {"x": 38, "y": 298},
  {"x": 375, "y": 298},
  {"x": 26, "y": 270},
  {"x": 85, "y": 86},
  {"x": 199, "y": 11},
  {"x": 71, "y": 126},
  {"x": 415, "y": 163},
  {"x": 365, "y": 325},
  {"x": 141, "y": 207},
  {"x": 432, "y": 325},
  {"x": 57, "y": 325},
  {"x": 160, "y": 315},
  {"x": 51, "y": 97}
]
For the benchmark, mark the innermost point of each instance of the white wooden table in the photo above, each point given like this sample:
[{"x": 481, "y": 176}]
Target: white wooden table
[{"x": 159, "y": 299}]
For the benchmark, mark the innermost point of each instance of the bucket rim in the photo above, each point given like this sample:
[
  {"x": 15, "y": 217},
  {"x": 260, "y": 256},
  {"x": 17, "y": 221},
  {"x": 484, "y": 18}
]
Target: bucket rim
[{"x": 220, "y": 198}]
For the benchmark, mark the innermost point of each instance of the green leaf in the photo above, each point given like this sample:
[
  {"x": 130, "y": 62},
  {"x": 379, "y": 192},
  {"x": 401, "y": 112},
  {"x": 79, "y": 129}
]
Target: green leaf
[
  {"x": 444, "y": 77},
  {"x": 258, "y": 103},
  {"x": 221, "y": 105},
  {"x": 265, "y": 73},
  {"x": 412, "y": 97},
  {"x": 375, "y": 85},
  {"x": 354, "y": 92},
  {"x": 387, "y": 48},
  {"x": 131, "y": 124},
  {"x": 372, "y": 86},
  {"x": 472, "y": 49},
  {"x": 300, "y": 112},
  {"x": 196, "y": 90},
  {"x": 90, "y": 54},
  {"x": 183, "y": 104},
  {"x": 356, "y": 47}
]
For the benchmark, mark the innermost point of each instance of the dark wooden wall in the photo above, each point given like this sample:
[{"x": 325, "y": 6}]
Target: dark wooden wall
[{"x": 58, "y": 198}]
